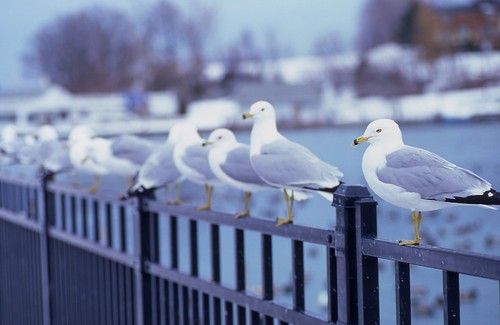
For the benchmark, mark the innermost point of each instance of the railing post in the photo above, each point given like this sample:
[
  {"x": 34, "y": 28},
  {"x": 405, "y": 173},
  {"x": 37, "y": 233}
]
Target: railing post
[
  {"x": 344, "y": 200},
  {"x": 44, "y": 220},
  {"x": 143, "y": 253},
  {"x": 368, "y": 288}
]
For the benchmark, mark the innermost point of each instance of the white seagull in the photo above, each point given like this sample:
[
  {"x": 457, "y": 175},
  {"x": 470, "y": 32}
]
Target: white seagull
[
  {"x": 286, "y": 164},
  {"x": 80, "y": 147},
  {"x": 191, "y": 159},
  {"x": 230, "y": 162},
  {"x": 415, "y": 178},
  {"x": 159, "y": 169}
]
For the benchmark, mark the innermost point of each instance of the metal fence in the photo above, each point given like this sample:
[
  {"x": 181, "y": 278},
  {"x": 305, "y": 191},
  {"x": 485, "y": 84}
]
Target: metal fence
[{"x": 69, "y": 257}]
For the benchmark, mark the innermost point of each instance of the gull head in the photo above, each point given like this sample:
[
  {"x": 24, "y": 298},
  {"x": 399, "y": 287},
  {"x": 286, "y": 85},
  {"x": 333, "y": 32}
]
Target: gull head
[
  {"x": 381, "y": 131},
  {"x": 260, "y": 110},
  {"x": 80, "y": 132},
  {"x": 220, "y": 137},
  {"x": 46, "y": 133},
  {"x": 9, "y": 133}
]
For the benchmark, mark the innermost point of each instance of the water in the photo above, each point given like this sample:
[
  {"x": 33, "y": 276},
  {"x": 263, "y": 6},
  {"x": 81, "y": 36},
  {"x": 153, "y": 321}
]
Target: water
[{"x": 470, "y": 145}]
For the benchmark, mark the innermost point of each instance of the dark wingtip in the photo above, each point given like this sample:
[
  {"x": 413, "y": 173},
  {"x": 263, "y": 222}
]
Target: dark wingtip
[{"x": 490, "y": 197}]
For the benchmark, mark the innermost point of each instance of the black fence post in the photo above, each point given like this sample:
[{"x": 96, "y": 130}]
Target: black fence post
[
  {"x": 368, "y": 284},
  {"x": 45, "y": 203},
  {"x": 344, "y": 200},
  {"x": 143, "y": 253}
]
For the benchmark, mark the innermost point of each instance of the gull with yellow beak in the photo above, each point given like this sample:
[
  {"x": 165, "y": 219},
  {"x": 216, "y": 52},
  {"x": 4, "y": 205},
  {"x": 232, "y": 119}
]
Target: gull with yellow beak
[
  {"x": 230, "y": 162},
  {"x": 286, "y": 164},
  {"x": 415, "y": 178}
]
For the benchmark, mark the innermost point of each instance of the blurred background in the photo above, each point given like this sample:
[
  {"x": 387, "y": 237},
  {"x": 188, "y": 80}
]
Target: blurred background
[
  {"x": 328, "y": 67},
  {"x": 329, "y": 62}
]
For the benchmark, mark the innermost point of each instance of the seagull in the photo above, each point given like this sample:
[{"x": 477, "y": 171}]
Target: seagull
[
  {"x": 230, "y": 162},
  {"x": 415, "y": 178},
  {"x": 49, "y": 152},
  {"x": 286, "y": 164},
  {"x": 191, "y": 159},
  {"x": 159, "y": 169},
  {"x": 80, "y": 147}
]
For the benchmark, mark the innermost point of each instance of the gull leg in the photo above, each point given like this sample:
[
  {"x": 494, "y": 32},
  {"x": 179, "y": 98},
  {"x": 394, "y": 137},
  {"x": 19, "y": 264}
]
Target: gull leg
[
  {"x": 95, "y": 186},
  {"x": 177, "y": 201},
  {"x": 208, "y": 195},
  {"x": 130, "y": 183},
  {"x": 246, "y": 212},
  {"x": 417, "y": 219},
  {"x": 289, "y": 209},
  {"x": 167, "y": 201}
]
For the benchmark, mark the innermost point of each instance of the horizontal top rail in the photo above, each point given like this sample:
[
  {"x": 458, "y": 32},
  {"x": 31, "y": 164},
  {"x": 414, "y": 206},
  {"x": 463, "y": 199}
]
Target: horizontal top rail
[
  {"x": 306, "y": 234},
  {"x": 20, "y": 179},
  {"x": 103, "y": 196},
  {"x": 481, "y": 265},
  {"x": 20, "y": 219}
]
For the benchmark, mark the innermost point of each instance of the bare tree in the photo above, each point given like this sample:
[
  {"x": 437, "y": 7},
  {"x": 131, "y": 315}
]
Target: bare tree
[
  {"x": 162, "y": 44},
  {"x": 380, "y": 20},
  {"x": 94, "y": 49}
]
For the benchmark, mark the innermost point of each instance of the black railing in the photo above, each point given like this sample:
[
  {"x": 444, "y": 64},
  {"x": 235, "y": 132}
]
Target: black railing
[{"x": 69, "y": 257}]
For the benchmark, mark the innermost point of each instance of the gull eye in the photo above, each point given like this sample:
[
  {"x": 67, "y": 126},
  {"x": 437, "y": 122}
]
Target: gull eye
[
  {"x": 378, "y": 130},
  {"x": 262, "y": 109}
]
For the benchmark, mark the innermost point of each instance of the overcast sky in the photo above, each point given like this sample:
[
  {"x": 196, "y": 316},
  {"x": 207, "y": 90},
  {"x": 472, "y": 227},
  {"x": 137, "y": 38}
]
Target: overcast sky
[{"x": 297, "y": 24}]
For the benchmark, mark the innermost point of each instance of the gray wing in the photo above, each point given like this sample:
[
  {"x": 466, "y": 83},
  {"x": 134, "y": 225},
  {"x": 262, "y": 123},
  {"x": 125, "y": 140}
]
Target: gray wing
[
  {"x": 238, "y": 166},
  {"x": 423, "y": 172},
  {"x": 196, "y": 157},
  {"x": 58, "y": 158},
  {"x": 286, "y": 163},
  {"x": 160, "y": 166},
  {"x": 132, "y": 148}
]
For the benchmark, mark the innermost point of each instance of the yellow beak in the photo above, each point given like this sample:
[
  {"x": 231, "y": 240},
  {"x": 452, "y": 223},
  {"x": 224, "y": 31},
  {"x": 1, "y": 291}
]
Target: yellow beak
[
  {"x": 206, "y": 143},
  {"x": 359, "y": 140},
  {"x": 246, "y": 115}
]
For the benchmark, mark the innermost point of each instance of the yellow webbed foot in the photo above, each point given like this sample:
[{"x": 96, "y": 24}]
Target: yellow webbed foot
[
  {"x": 205, "y": 207},
  {"x": 409, "y": 242},
  {"x": 283, "y": 221},
  {"x": 244, "y": 213}
]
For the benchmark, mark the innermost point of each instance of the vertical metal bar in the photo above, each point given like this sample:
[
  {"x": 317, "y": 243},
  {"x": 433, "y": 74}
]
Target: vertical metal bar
[
  {"x": 123, "y": 229},
  {"x": 403, "y": 294},
  {"x": 129, "y": 289},
  {"x": 175, "y": 303},
  {"x": 85, "y": 228},
  {"x": 185, "y": 305},
  {"x": 109, "y": 225},
  {"x": 451, "y": 292},
  {"x": 206, "y": 309},
  {"x": 193, "y": 236},
  {"x": 344, "y": 200},
  {"x": 298, "y": 275},
  {"x": 115, "y": 300},
  {"x": 267, "y": 271},
  {"x": 121, "y": 294},
  {"x": 239, "y": 241},
  {"x": 95, "y": 216},
  {"x": 331, "y": 279},
  {"x": 63, "y": 211},
  {"x": 144, "y": 245},
  {"x": 367, "y": 268},
  {"x": 174, "y": 243},
  {"x": 164, "y": 302},
  {"x": 215, "y": 257},
  {"x": 229, "y": 313},
  {"x": 45, "y": 248},
  {"x": 73, "y": 214},
  {"x": 254, "y": 318}
]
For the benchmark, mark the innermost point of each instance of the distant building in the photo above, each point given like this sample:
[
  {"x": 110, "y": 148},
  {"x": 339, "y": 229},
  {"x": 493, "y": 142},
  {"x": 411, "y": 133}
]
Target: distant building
[{"x": 471, "y": 27}]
